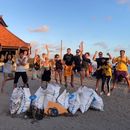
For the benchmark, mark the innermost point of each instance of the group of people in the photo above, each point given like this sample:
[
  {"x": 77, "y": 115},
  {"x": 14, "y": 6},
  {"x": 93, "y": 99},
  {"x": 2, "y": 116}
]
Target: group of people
[
  {"x": 15, "y": 67},
  {"x": 68, "y": 66},
  {"x": 106, "y": 71}
]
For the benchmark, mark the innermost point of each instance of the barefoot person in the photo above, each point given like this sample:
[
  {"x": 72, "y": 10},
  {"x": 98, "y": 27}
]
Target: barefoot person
[
  {"x": 45, "y": 72},
  {"x": 78, "y": 65},
  {"x": 68, "y": 65},
  {"x": 106, "y": 76},
  {"x": 36, "y": 66},
  {"x": 58, "y": 68},
  {"x": 121, "y": 68},
  {"x": 86, "y": 65},
  {"x": 7, "y": 70},
  {"x": 99, "y": 64}
]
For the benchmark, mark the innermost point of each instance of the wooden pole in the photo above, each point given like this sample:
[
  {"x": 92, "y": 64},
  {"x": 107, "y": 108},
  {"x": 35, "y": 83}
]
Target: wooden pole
[
  {"x": 61, "y": 48},
  {"x": 81, "y": 47}
]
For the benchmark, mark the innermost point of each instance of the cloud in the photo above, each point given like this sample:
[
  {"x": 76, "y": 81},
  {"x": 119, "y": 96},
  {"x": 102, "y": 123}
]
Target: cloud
[
  {"x": 108, "y": 18},
  {"x": 101, "y": 44},
  {"x": 35, "y": 46},
  {"x": 118, "y": 48},
  {"x": 94, "y": 18},
  {"x": 123, "y": 1},
  {"x": 54, "y": 46},
  {"x": 43, "y": 28}
]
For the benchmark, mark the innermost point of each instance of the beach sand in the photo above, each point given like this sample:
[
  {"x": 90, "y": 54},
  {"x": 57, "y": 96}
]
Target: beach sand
[{"x": 116, "y": 114}]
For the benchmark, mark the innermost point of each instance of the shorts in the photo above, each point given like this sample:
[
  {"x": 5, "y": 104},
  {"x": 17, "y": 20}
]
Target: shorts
[
  {"x": 8, "y": 76},
  {"x": 46, "y": 76},
  {"x": 98, "y": 74},
  {"x": 68, "y": 70},
  {"x": 20, "y": 74},
  {"x": 77, "y": 69},
  {"x": 58, "y": 70},
  {"x": 119, "y": 74}
]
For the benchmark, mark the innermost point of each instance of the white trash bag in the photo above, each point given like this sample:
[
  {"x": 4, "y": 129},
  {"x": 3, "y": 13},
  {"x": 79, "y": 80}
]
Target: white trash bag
[
  {"x": 63, "y": 99},
  {"x": 74, "y": 102},
  {"x": 15, "y": 100},
  {"x": 97, "y": 102},
  {"x": 86, "y": 97},
  {"x": 25, "y": 104},
  {"x": 39, "y": 100},
  {"x": 53, "y": 89}
]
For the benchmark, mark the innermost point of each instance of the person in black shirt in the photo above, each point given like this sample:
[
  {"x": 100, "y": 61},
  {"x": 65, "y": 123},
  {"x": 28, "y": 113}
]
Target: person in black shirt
[
  {"x": 68, "y": 65},
  {"x": 99, "y": 61},
  {"x": 78, "y": 64},
  {"x": 86, "y": 65},
  {"x": 58, "y": 68}
]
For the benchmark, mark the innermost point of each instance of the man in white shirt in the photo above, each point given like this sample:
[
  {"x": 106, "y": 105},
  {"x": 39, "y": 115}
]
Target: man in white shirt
[{"x": 21, "y": 70}]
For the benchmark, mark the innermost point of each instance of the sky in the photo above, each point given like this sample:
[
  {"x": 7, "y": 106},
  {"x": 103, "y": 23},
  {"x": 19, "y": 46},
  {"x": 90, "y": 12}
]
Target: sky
[{"x": 102, "y": 25}]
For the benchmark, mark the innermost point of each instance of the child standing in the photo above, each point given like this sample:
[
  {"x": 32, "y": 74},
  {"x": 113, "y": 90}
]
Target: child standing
[{"x": 106, "y": 76}]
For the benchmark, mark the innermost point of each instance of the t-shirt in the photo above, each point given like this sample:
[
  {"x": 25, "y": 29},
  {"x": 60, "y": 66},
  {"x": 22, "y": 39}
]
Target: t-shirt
[
  {"x": 77, "y": 60},
  {"x": 107, "y": 70},
  {"x": 121, "y": 63},
  {"x": 26, "y": 61},
  {"x": 21, "y": 68},
  {"x": 68, "y": 59},
  {"x": 86, "y": 62},
  {"x": 58, "y": 64},
  {"x": 8, "y": 66},
  {"x": 100, "y": 61}
]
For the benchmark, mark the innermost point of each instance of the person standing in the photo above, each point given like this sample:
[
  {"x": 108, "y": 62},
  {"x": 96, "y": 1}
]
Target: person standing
[
  {"x": 45, "y": 72},
  {"x": 86, "y": 65},
  {"x": 7, "y": 70},
  {"x": 78, "y": 65},
  {"x": 58, "y": 68},
  {"x": 106, "y": 76},
  {"x": 99, "y": 64},
  {"x": 21, "y": 62},
  {"x": 68, "y": 66},
  {"x": 36, "y": 66},
  {"x": 121, "y": 68}
]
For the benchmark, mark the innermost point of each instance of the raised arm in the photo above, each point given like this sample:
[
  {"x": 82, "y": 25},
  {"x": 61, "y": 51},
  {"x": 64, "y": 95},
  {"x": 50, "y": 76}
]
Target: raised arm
[
  {"x": 48, "y": 52},
  {"x": 114, "y": 60},
  {"x": 94, "y": 57},
  {"x": 110, "y": 57}
]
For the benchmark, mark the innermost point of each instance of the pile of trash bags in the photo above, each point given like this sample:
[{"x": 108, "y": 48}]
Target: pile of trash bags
[{"x": 50, "y": 102}]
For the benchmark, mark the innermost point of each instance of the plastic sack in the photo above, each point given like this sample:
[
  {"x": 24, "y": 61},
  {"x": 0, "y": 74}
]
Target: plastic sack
[
  {"x": 16, "y": 99},
  {"x": 74, "y": 103},
  {"x": 25, "y": 104},
  {"x": 86, "y": 97},
  {"x": 63, "y": 99},
  {"x": 54, "y": 90},
  {"x": 51, "y": 94},
  {"x": 97, "y": 102},
  {"x": 39, "y": 100},
  {"x": 47, "y": 98}
]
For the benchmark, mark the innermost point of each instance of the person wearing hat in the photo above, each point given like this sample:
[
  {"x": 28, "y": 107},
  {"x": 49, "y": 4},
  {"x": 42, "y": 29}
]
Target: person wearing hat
[
  {"x": 121, "y": 68},
  {"x": 99, "y": 61}
]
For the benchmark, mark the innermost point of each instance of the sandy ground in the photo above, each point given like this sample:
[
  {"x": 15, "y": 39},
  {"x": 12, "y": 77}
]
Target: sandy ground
[{"x": 116, "y": 115}]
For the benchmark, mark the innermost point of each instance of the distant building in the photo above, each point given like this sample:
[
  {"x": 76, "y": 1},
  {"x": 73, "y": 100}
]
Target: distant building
[{"x": 9, "y": 41}]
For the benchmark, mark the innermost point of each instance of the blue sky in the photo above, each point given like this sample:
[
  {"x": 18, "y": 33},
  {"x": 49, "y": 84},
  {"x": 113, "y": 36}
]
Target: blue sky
[{"x": 103, "y": 25}]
